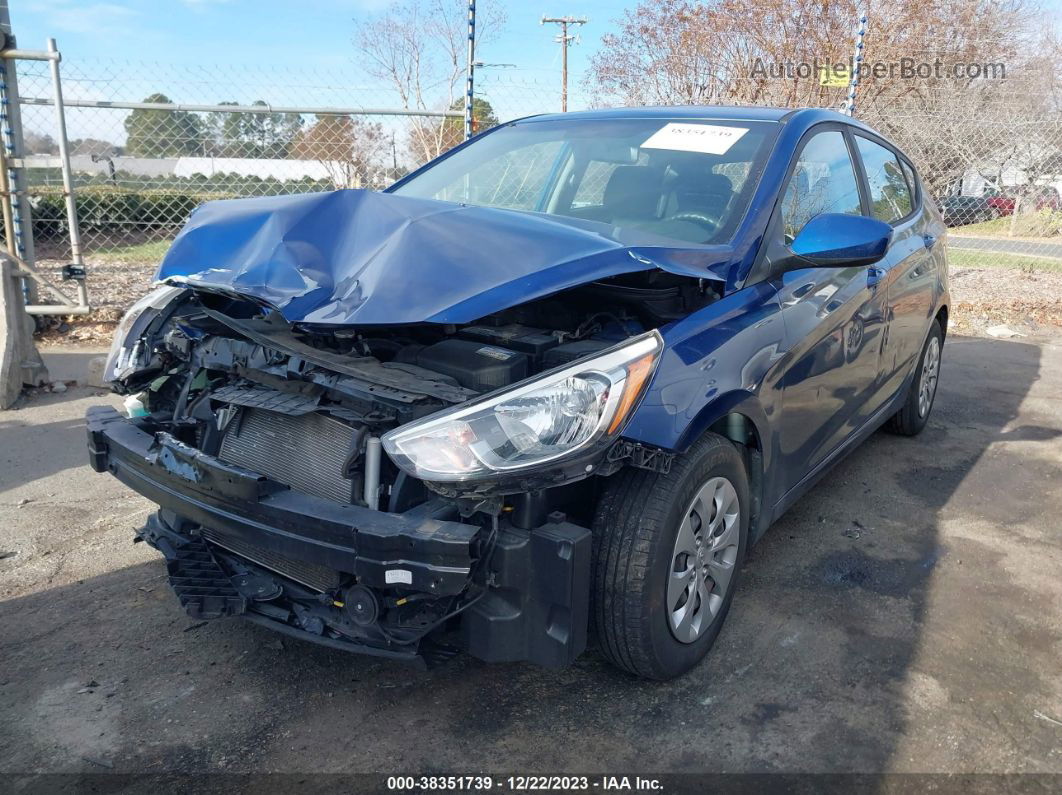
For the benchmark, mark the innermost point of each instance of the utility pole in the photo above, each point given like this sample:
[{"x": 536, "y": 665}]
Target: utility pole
[{"x": 565, "y": 41}]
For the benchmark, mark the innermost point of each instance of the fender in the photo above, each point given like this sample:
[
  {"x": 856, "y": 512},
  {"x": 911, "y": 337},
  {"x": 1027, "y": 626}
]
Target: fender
[{"x": 721, "y": 359}]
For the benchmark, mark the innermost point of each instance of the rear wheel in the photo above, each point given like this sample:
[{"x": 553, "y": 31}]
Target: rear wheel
[
  {"x": 668, "y": 548},
  {"x": 912, "y": 418}
]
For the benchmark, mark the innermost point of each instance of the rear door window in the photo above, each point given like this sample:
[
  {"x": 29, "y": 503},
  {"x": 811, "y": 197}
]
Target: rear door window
[{"x": 890, "y": 198}]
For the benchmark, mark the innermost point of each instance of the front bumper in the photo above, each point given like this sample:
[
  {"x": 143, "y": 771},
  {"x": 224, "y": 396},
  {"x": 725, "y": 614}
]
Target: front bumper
[{"x": 535, "y": 607}]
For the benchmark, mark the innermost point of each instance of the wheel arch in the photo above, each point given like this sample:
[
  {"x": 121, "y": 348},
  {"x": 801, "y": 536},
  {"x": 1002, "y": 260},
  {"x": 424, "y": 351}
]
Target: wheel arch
[
  {"x": 739, "y": 417},
  {"x": 942, "y": 318}
]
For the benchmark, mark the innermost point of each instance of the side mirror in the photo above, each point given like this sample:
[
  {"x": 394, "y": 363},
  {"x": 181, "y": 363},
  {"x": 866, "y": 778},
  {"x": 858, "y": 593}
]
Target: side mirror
[{"x": 833, "y": 240}]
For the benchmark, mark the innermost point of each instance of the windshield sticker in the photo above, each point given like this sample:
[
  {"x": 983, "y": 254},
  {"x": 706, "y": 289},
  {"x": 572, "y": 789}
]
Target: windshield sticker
[{"x": 708, "y": 138}]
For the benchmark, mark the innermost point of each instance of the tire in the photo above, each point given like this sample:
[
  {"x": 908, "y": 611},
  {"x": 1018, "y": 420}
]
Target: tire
[
  {"x": 913, "y": 417},
  {"x": 636, "y": 532}
]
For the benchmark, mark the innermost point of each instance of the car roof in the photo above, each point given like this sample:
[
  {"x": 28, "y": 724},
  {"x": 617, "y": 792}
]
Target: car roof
[
  {"x": 717, "y": 112},
  {"x": 720, "y": 112},
  {"x": 803, "y": 118}
]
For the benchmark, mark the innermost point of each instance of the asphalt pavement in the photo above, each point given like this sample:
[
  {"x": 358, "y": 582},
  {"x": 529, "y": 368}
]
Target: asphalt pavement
[{"x": 904, "y": 616}]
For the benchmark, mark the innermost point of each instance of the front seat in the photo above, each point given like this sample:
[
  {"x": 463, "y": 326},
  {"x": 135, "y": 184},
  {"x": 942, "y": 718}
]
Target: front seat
[
  {"x": 632, "y": 195},
  {"x": 704, "y": 193}
]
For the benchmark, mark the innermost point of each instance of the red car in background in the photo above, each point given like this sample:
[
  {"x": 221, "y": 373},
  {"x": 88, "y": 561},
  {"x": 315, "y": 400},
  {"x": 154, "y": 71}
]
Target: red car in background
[{"x": 1041, "y": 197}]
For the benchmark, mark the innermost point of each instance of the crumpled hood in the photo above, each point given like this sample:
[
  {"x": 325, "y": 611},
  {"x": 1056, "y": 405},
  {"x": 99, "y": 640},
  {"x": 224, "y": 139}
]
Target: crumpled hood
[{"x": 361, "y": 257}]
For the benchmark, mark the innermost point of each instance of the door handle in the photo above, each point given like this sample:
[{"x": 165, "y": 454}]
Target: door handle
[
  {"x": 874, "y": 275},
  {"x": 929, "y": 240}
]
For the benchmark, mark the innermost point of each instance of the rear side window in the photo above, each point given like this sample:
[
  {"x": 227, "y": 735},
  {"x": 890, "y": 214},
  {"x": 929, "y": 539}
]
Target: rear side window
[
  {"x": 890, "y": 198},
  {"x": 912, "y": 180},
  {"x": 591, "y": 190},
  {"x": 823, "y": 181}
]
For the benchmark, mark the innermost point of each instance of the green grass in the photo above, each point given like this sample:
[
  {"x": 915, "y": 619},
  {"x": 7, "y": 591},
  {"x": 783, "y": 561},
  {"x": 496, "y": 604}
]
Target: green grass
[
  {"x": 997, "y": 227},
  {"x": 1041, "y": 224},
  {"x": 958, "y": 258},
  {"x": 137, "y": 254}
]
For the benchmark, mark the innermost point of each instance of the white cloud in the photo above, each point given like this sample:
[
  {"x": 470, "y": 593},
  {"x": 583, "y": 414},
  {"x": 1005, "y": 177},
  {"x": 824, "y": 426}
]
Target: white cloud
[{"x": 95, "y": 18}]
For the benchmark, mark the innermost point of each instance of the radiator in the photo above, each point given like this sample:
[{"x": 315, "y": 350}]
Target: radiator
[
  {"x": 306, "y": 452},
  {"x": 318, "y": 577}
]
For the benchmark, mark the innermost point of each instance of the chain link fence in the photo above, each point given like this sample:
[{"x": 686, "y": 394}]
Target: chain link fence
[
  {"x": 149, "y": 142},
  {"x": 991, "y": 156}
]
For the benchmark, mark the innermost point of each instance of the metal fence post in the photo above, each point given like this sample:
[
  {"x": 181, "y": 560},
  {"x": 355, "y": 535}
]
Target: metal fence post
[
  {"x": 20, "y": 363},
  {"x": 68, "y": 178},
  {"x": 11, "y": 134}
]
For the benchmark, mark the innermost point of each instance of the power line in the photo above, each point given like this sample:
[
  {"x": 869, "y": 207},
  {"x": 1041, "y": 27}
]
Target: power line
[{"x": 565, "y": 40}]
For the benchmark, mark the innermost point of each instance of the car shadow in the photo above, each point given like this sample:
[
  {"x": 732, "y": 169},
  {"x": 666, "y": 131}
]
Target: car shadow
[{"x": 811, "y": 673}]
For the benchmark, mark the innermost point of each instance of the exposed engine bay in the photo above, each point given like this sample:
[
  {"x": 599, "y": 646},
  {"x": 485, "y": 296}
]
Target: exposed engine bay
[
  {"x": 229, "y": 378},
  {"x": 231, "y": 398}
]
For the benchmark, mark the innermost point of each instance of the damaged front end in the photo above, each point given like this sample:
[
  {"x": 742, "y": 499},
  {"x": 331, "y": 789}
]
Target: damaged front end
[
  {"x": 263, "y": 442},
  {"x": 238, "y": 543}
]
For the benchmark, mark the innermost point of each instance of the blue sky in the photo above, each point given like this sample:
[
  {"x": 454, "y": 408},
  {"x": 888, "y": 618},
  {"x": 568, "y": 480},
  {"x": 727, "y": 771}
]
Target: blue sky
[
  {"x": 312, "y": 34},
  {"x": 313, "y": 37}
]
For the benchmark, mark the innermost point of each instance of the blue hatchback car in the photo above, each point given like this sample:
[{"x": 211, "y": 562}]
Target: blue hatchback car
[{"x": 559, "y": 378}]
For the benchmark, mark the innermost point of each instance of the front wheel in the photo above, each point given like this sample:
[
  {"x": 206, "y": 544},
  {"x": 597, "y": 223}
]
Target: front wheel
[
  {"x": 668, "y": 548},
  {"x": 912, "y": 418}
]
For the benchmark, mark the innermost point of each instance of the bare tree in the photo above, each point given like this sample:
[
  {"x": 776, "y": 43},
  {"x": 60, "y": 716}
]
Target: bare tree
[
  {"x": 682, "y": 51},
  {"x": 419, "y": 48},
  {"x": 730, "y": 51},
  {"x": 351, "y": 150},
  {"x": 40, "y": 143}
]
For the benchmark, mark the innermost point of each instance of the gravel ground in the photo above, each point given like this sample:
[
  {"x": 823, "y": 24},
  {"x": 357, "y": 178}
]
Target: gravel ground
[
  {"x": 985, "y": 297},
  {"x": 113, "y": 287},
  {"x": 904, "y": 616},
  {"x": 982, "y": 297}
]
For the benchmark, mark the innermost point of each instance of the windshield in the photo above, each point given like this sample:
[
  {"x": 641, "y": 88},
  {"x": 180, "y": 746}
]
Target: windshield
[{"x": 689, "y": 180}]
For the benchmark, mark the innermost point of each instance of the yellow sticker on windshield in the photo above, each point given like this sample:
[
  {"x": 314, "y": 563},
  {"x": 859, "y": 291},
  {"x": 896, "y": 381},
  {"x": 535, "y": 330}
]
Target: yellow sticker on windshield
[{"x": 708, "y": 138}]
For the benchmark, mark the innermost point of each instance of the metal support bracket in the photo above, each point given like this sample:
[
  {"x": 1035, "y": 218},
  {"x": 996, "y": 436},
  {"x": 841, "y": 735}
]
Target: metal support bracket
[{"x": 640, "y": 456}]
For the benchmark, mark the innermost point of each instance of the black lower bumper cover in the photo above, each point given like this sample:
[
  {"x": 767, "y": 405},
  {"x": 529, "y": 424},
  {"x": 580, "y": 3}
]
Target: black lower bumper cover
[{"x": 535, "y": 610}]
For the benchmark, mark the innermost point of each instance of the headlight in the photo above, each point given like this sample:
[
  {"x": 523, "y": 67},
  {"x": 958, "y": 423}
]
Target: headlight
[
  {"x": 127, "y": 354},
  {"x": 575, "y": 408}
]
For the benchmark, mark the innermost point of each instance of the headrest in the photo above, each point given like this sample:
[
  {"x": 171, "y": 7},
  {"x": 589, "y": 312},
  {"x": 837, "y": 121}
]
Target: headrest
[{"x": 633, "y": 191}]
